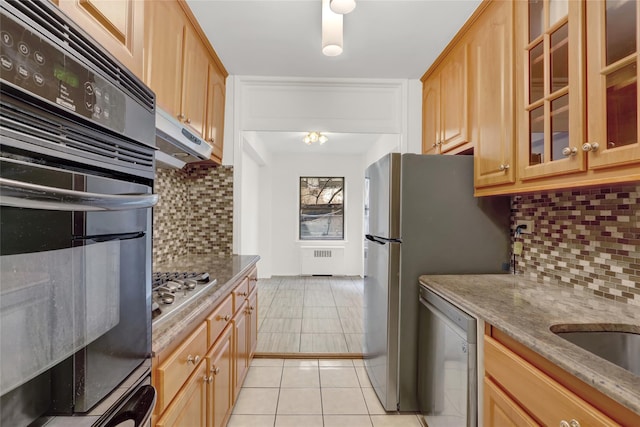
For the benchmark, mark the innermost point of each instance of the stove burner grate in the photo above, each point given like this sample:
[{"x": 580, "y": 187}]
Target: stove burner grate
[{"x": 161, "y": 278}]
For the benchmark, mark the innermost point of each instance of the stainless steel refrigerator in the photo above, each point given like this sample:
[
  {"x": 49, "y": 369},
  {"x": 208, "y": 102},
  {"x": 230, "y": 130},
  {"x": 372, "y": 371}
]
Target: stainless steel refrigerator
[{"x": 420, "y": 218}]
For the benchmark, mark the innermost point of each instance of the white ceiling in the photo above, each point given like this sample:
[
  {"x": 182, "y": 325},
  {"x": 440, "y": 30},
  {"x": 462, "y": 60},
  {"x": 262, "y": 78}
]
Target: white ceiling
[
  {"x": 343, "y": 143},
  {"x": 382, "y": 39}
]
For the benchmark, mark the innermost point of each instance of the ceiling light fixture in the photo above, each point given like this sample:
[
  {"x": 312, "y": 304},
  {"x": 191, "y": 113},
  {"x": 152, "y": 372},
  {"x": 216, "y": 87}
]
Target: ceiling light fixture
[
  {"x": 343, "y": 6},
  {"x": 312, "y": 137},
  {"x": 331, "y": 31}
]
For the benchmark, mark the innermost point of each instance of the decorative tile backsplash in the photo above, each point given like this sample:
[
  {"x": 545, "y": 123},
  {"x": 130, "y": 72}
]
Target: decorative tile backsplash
[
  {"x": 587, "y": 238},
  {"x": 195, "y": 213}
]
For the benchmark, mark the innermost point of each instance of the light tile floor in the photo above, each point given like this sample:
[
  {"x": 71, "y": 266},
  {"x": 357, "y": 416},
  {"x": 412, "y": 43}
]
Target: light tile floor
[
  {"x": 300, "y": 314},
  {"x": 310, "y": 393}
]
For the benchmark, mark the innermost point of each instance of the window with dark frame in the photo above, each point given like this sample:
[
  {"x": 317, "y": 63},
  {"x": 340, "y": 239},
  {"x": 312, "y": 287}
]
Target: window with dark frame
[{"x": 321, "y": 208}]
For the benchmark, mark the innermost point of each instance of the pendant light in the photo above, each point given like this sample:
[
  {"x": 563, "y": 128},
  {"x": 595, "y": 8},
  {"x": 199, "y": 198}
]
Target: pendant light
[
  {"x": 331, "y": 30},
  {"x": 343, "y": 6}
]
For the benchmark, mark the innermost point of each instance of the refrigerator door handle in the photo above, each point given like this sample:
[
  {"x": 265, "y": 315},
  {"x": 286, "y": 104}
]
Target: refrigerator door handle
[{"x": 382, "y": 240}]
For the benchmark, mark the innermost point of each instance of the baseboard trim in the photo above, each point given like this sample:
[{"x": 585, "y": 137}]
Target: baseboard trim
[{"x": 308, "y": 356}]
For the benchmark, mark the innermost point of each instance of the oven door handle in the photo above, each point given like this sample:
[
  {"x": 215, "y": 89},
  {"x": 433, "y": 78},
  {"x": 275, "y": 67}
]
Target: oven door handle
[
  {"x": 99, "y": 238},
  {"x": 19, "y": 194}
]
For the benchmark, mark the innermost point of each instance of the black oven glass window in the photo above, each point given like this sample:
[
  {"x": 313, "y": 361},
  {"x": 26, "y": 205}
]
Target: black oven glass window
[{"x": 321, "y": 208}]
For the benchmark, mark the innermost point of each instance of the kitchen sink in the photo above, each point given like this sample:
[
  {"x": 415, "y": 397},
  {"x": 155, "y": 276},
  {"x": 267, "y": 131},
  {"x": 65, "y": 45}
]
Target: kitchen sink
[{"x": 620, "y": 347}]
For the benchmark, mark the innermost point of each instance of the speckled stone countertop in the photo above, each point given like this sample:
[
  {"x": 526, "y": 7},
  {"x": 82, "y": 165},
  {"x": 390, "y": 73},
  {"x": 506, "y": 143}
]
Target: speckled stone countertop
[
  {"x": 227, "y": 270},
  {"x": 525, "y": 310}
]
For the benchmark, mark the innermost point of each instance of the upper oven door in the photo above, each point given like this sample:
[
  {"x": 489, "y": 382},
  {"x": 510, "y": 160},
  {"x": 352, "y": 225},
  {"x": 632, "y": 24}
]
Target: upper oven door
[{"x": 71, "y": 246}]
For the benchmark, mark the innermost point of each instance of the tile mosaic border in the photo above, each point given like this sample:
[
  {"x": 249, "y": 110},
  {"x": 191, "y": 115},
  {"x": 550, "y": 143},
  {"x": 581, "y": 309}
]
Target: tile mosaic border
[
  {"x": 587, "y": 238},
  {"x": 195, "y": 212}
]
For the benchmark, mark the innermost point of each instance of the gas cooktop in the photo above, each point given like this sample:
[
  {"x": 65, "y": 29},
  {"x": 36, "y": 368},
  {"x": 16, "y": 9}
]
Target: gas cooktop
[{"x": 171, "y": 290}]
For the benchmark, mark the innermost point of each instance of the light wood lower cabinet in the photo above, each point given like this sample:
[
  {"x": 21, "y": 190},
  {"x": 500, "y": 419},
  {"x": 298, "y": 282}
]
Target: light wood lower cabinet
[
  {"x": 240, "y": 330},
  {"x": 199, "y": 377},
  {"x": 501, "y": 411},
  {"x": 176, "y": 368},
  {"x": 220, "y": 387},
  {"x": 190, "y": 406},
  {"x": 253, "y": 322},
  {"x": 521, "y": 388}
]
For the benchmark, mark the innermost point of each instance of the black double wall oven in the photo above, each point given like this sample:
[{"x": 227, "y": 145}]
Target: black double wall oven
[{"x": 76, "y": 180}]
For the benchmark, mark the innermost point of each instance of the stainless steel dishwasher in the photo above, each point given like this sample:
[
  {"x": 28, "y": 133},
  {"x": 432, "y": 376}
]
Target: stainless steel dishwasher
[{"x": 447, "y": 363}]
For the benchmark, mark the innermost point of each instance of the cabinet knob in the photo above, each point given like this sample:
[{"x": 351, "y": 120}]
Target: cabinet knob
[
  {"x": 188, "y": 120},
  {"x": 563, "y": 423},
  {"x": 215, "y": 370},
  {"x": 211, "y": 140},
  {"x": 207, "y": 379},
  {"x": 574, "y": 423},
  {"x": 590, "y": 146},
  {"x": 193, "y": 359},
  {"x": 439, "y": 143},
  {"x": 434, "y": 145},
  {"x": 569, "y": 151},
  {"x": 253, "y": 279},
  {"x": 505, "y": 167},
  {"x": 181, "y": 117},
  {"x": 244, "y": 294},
  {"x": 226, "y": 318}
]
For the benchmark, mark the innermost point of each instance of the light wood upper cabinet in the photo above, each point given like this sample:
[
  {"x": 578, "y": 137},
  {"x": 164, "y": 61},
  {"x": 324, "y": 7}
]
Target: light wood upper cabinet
[
  {"x": 491, "y": 70},
  {"x": 445, "y": 125},
  {"x": 550, "y": 36},
  {"x": 454, "y": 116},
  {"x": 163, "y": 53},
  {"x": 118, "y": 25},
  {"x": 194, "y": 83},
  {"x": 214, "y": 128},
  {"x": 612, "y": 83},
  {"x": 185, "y": 73},
  {"x": 431, "y": 116},
  {"x": 176, "y": 64}
]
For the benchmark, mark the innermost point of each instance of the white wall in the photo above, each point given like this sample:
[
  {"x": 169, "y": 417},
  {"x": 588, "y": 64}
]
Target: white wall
[
  {"x": 249, "y": 226},
  {"x": 285, "y": 171},
  {"x": 266, "y": 184}
]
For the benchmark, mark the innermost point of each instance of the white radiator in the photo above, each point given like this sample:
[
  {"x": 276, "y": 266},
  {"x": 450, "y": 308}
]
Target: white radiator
[{"x": 322, "y": 260}]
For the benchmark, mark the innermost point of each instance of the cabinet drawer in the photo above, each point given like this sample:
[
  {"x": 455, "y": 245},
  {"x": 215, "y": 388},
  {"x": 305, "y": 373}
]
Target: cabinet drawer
[
  {"x": 240, "y": 294},
  {"x": 535, "y": 391},
  {"x": 220, "y": 318},
  {"x": 174, "y": 371}
]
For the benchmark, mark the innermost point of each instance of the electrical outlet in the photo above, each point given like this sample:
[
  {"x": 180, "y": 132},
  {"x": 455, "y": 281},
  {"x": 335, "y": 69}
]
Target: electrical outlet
[{"x": 528, "y": 224}]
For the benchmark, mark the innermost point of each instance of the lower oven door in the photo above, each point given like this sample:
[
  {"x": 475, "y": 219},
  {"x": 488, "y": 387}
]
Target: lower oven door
[{"x": 74, "y": 287}]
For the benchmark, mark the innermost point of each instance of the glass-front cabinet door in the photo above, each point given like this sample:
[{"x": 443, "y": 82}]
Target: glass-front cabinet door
[
  {"x": 552, "y": 109},
  {"x": 612, "y": 83}
]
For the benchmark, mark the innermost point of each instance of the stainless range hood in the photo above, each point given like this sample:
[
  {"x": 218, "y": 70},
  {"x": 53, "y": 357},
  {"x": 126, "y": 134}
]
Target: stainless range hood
[{"x": 176, "y": 144}]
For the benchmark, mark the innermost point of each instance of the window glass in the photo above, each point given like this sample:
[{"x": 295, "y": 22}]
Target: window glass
[
  {"x": 621, "y": 29},
  {"x": 560, "y": 58},
  {"x": 622, "y": 107},
  {"x": 559, "y": 126},
  {"x": 321, "y": 208},
  {"x": 536, "y": 136}
]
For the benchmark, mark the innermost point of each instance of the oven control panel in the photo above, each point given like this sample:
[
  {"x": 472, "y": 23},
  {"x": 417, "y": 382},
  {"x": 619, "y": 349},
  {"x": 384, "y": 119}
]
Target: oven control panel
[{"x": 40, "y": 68}]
